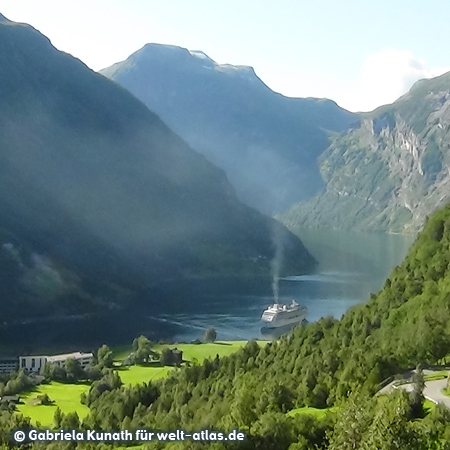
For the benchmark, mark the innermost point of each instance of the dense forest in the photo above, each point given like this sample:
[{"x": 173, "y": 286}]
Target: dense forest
[{"x": 327, "y": 363}]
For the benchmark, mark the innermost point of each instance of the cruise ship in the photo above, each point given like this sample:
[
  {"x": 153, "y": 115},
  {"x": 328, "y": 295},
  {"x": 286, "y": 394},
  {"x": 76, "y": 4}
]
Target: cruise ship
[{"x": 280, "y": 315}]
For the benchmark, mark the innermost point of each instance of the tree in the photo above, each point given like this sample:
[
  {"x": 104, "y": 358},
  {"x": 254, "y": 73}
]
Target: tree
[
  {"x": 70, "y": 421},
  {"x": 93, "y": 373},
  {"x": 44, "y": 399},
  {"x": 210, "y": 335},
  {"x": 74, "y": 370},
  {"x": 416, "y": 397},
  {"x": 105, "y": 356},
  {"x": 243, "y": 411},
  {"x": 391, "y": 428},
  {"x": 352, "y": 424},
  {"x": 272, "y": 431},
  {"x": 53, "y": 371},
  {"x": 58, "y": 417},
  {"x": 18, "y": 382},
  {"x": 142, "y": 348},
  {"x": 167, "y": 358}
]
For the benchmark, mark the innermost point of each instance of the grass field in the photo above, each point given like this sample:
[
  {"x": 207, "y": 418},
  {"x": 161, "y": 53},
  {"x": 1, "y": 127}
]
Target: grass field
[
  {"x": 428, "y": 406},
  {"x": 318, "y": 413},
  {"x": 66, "y": 396},
  {"x": 191, "y": 352},
  {"x": 442, "y": 374},
  {"x": 142, "y": 374}
]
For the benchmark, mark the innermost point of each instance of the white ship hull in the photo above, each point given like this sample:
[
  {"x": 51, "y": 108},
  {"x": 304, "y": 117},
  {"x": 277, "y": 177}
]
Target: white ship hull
[
  {"x": 284, "y": 322},
  {"x": 279, "y": 315}
]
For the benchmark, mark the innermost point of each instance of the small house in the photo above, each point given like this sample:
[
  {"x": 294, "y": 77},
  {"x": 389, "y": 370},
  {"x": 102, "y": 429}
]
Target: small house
[{"x": 177, "y": 356}]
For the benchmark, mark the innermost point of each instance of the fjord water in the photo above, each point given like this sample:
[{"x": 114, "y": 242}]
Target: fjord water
[{"x": 351, "y": 267}]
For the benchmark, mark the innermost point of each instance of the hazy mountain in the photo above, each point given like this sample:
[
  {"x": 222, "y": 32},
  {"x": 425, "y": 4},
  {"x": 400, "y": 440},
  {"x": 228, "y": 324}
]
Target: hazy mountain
[
  {"x": 391, "y": 171},
  {"x": 99, "y": 198},
  {"x": 268, "y": 144}
]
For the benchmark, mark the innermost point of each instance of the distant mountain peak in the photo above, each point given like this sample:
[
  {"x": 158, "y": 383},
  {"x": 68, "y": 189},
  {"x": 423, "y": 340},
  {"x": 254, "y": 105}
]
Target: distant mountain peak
[
  {"x": 3, "y": 18},
  {"x": 226, "y": 112},
  {"x": 224, "y": 67},
  {"x": 199, "y": 54},
  {"x": 196, "y": 58}
]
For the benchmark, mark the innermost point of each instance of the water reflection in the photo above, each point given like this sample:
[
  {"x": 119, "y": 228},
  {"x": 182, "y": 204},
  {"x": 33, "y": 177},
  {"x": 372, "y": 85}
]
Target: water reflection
[{"x": 351, "y": 266}]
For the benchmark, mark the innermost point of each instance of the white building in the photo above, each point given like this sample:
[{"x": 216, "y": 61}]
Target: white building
[
  {"x": 32, "y": 364},
  {"x": 83, "y": 358},
  {"x": 8, "y": 365},
  {"x": 35, "y": 364}
]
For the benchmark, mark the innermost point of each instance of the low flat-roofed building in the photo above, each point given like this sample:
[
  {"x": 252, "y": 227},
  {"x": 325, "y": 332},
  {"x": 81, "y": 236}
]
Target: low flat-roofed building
[
  {"x": 10, "y": 398},
  {"x": 32, "y": 364},
  {"x": 36, "y": 364},
  {"x": 177, "y": 356},
  {"x": 8, "y": 365},
  {"x": 83, "y": 358}
]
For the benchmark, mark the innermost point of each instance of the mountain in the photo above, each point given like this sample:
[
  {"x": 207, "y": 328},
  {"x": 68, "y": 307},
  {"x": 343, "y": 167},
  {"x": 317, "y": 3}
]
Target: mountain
[
  {"x": 338, "y": 363},
  {"x": 389, "y": 172},
  {"x": 100, "y": 199},
  {"x": 267, "y": 144}
]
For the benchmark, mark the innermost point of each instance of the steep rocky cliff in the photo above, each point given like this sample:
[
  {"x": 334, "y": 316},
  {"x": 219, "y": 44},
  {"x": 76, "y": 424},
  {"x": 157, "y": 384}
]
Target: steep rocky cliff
[{"x": 391, "y": 171}]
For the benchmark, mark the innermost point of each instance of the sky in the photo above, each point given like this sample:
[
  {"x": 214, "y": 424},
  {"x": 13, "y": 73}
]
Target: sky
[{"x": 360, "y": 53}]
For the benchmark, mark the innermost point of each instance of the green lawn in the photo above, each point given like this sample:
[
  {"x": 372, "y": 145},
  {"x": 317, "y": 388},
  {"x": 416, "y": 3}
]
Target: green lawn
[
  {"x": 318, "y": 413},
  {"x": 66, "y": 396},
  {"x": 442, "y": 374},
  {"x": 321, "y": 413},
  {"x": 121, "y": 352},
  {"x": 142, "y": 374},
  {"x": 428, "y": 406},
  {"x": 200, "y": 352},
  {"x": 134, "y": 447},
  {"x": 191, "y": 351}
]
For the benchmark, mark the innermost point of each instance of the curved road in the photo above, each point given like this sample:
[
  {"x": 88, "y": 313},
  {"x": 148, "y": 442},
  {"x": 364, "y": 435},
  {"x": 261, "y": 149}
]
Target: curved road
[{"x": 432, "y": 390}]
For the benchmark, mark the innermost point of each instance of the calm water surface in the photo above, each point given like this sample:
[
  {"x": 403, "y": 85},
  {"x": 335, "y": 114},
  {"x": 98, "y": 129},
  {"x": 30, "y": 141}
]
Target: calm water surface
[{"x": 351, "y": 266}]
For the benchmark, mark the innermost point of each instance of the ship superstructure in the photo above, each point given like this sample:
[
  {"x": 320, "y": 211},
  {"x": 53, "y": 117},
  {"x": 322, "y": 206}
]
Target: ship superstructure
[{"x": 279, "y": 314}]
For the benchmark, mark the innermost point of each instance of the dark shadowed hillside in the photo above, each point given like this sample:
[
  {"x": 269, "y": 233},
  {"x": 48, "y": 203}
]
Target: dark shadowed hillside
[
  {"x": 267, "y": 144},
  {"x": 99, "y": 198}
]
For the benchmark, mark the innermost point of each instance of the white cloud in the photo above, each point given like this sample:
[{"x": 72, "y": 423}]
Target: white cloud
[{"x": 385, "y": 77}]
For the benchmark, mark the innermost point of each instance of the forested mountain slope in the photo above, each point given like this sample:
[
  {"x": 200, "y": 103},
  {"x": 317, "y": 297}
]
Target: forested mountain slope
[
  {"x": 391, "y": 171},
  {"x": 267, "y": 144},
  {"x": 406, "y": 323},
  {"x": 99, "y": 198}
]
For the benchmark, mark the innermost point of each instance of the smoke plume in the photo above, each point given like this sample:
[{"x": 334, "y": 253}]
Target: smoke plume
[{"x": 276, "y": 263}]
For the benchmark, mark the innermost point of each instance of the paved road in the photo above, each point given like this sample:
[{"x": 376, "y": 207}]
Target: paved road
[{"x": 432, "y": 390}]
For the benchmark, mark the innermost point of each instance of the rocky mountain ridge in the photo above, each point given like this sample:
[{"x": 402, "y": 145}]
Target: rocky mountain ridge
[
  {"x": 267, "y": 144},
  {"x": 391, "y": 171}
]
